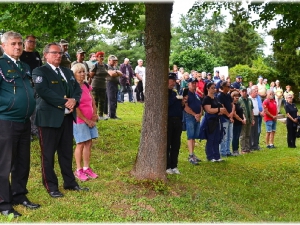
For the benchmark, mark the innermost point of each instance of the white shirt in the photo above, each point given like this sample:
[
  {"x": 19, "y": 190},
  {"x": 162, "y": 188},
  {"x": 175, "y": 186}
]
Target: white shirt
[
  {"x": 62, "y": 74},
  {"x": 255, "y": 106},
  {"x": 141, "y": 70}
]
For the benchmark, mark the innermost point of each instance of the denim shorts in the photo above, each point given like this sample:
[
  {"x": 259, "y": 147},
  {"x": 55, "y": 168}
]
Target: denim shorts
[
  {"x": 192, "y": 127},
  {"x": 270, "y": 126},
  {"x": 82, "y": 132}
]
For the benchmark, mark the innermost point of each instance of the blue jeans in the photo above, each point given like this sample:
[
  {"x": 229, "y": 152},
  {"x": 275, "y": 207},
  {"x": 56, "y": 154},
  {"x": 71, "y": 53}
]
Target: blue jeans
[
  {"x": 126, "y": 89},
  {"x": 225, "y": 144},
  {"x": 236, "y": 131},
  {"x": 192, "y": 127},
  {"x": 212, "y": 144}
]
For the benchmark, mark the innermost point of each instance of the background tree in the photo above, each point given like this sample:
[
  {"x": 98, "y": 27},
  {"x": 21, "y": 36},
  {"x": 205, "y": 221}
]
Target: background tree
[
  {"x": 240, "y": 41},
  {"x": 196, "y": 59},
  {"x": 198, "y": 29}
]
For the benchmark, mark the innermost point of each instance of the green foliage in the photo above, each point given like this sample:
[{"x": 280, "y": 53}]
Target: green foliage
[
  {"x": 286, "y": 35},
  {"x": 259, "y": 67},
  {"x": 198, "y": 30},
  {"x": 195, "y": 59},
  {"x": 239, "y": 44},
  {"x": 243, "y": 70}
]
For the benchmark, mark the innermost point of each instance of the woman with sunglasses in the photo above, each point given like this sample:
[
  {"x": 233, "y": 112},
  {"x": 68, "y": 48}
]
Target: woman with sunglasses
[{"x": 211, "y": 128}]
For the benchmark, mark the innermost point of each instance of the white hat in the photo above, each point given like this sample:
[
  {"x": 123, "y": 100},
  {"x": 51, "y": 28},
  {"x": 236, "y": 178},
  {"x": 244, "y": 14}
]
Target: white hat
[{"x": 277, "y": 81}]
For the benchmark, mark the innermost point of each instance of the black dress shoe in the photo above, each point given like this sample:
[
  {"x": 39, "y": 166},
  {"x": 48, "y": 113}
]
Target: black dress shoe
[
  {"x": 7, "y": 212},
  {"x": 77, "y": 188},
  {"x": 56, "y": 194},
  {"x": 30, "y": 205}
]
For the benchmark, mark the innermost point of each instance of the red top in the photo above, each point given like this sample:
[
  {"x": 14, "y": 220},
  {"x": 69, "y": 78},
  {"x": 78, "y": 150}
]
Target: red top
[
  {"x": 200, "y": 86},
  {"x": 271, "y": 105}
]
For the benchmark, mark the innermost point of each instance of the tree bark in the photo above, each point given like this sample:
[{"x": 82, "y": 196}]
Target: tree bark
[{"x": 151, "y": 158}]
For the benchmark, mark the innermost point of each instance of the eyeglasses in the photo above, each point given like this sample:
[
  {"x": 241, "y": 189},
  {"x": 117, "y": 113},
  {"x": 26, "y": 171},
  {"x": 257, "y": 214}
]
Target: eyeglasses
[{"x": 56, "y": 53}]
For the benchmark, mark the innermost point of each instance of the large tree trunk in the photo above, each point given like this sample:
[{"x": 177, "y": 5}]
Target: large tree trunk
[{"x": 151, "y": 159}]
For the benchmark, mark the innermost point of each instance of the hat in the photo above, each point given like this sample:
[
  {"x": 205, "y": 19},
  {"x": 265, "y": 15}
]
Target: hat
[
  {"x": 172, "y": 76},
  {"x": 238, "y": 76},
  {"x": 192, "y": 80},
  {"x": 99, "y": 53},
  {"x": 265, "y": 79},
  {"x": 260, "y": 77},
  {"x": 217, "y": 71},
  {"x": 277, "y": 81},
  {"x": 242, "y": 88},
  {"x": 79, "y": 51},
  {"x": 63, "y": 42},
  {"x": 112, "y": 57},
  {"x": 208, "y": 74}
]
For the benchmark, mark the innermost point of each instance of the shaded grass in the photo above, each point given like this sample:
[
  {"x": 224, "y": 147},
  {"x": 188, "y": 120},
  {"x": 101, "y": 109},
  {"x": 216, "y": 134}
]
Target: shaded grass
[{"x": 258, "y": 187}]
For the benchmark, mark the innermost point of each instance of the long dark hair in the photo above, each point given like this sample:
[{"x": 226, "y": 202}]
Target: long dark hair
[{"x": 207, "y": 86}]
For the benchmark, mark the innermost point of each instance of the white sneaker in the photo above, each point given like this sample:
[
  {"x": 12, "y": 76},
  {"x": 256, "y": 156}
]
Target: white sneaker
[
  {"x": 169, "y": 171},
  {"x": 176, "y": 170},
  {"x": 220, "y": 160},
  {"x": 213, "y": 160}
]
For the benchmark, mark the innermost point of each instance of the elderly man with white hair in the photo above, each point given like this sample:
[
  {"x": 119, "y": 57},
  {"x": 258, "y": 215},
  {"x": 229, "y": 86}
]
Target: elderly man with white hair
[
  {"x": 140, "y": 73},
  {"x": 126, "y": 80}
]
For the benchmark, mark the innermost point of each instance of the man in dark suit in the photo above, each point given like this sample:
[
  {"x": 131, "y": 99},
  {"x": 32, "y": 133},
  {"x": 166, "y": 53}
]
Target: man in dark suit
[
  {"x": 58, "y": 96},
  {"x": 17, "y": 105}
]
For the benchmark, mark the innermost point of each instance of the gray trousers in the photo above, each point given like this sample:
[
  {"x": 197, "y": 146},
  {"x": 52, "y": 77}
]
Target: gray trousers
[
  {"x": 245, "y": 137},
  {"x": 254, "y": 137}
]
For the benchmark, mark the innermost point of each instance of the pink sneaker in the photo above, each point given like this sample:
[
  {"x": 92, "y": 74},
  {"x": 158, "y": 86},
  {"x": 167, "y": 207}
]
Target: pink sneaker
[
  {"x": 89, "y": 172},
  {"x": 81, "y": 175}
]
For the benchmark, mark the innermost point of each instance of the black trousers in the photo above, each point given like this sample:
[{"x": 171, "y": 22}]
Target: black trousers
[
  {"x": 112, "y": 91},
  {"x": 58, "y": 140},
  {"x": 254, "y": 135},
  {"x": 14, "y": 161},
  {"x": 100, "y": 100},
  {"x": 139, "y": 91},
  {"x": 291, "y": 134},
  {"x": 174, "y": 140}
]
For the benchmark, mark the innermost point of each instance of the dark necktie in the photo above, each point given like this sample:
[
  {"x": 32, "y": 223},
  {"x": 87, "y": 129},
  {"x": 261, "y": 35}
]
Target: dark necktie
[
  {"x": 66, "y": 86},
  {"x": 19, "y": 65}
]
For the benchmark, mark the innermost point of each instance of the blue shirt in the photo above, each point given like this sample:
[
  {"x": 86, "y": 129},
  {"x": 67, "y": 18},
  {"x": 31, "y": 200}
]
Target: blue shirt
[
  {"x": 260, "y": 107},
  {"x": 194, "y": 102},
  {"x": 236, "y": 85},
  {"x": 226, "y": 100}
]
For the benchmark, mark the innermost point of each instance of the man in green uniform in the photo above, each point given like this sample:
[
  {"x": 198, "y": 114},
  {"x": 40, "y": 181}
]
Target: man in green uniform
[{"x": 17, "y": 105}]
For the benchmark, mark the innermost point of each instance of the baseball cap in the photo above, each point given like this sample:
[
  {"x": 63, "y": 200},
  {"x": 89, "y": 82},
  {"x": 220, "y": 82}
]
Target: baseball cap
[
  {"x": 192, "y": 80},
  {"x": 63, "y": 42},
  {"x": 238, "y": 76},
  {"x": 79, "y": 51},
  {"x": 172, "y": 76},
  {"x": 112, "y": 57},
  {"x": 242, "y": 88}
]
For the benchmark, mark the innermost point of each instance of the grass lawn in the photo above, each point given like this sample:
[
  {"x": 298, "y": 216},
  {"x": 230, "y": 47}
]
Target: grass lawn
[{"x": 258, "y": 187}]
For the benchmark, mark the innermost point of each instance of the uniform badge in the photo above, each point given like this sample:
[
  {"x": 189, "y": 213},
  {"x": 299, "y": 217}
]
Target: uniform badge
[{"x": 39, "y": 80}]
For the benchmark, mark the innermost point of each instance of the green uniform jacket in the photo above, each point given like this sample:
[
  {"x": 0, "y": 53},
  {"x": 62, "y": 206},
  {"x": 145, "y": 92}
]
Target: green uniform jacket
[
  {"x": 247, "y": 113},
  {"x": 50, "y": 110},
  {"x": 17, "y": 101}
]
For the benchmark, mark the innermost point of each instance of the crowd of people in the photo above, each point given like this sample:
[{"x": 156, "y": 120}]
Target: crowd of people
[
  {"x": 55, "y": 99},
  {"x": 231, "y": 113}
]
